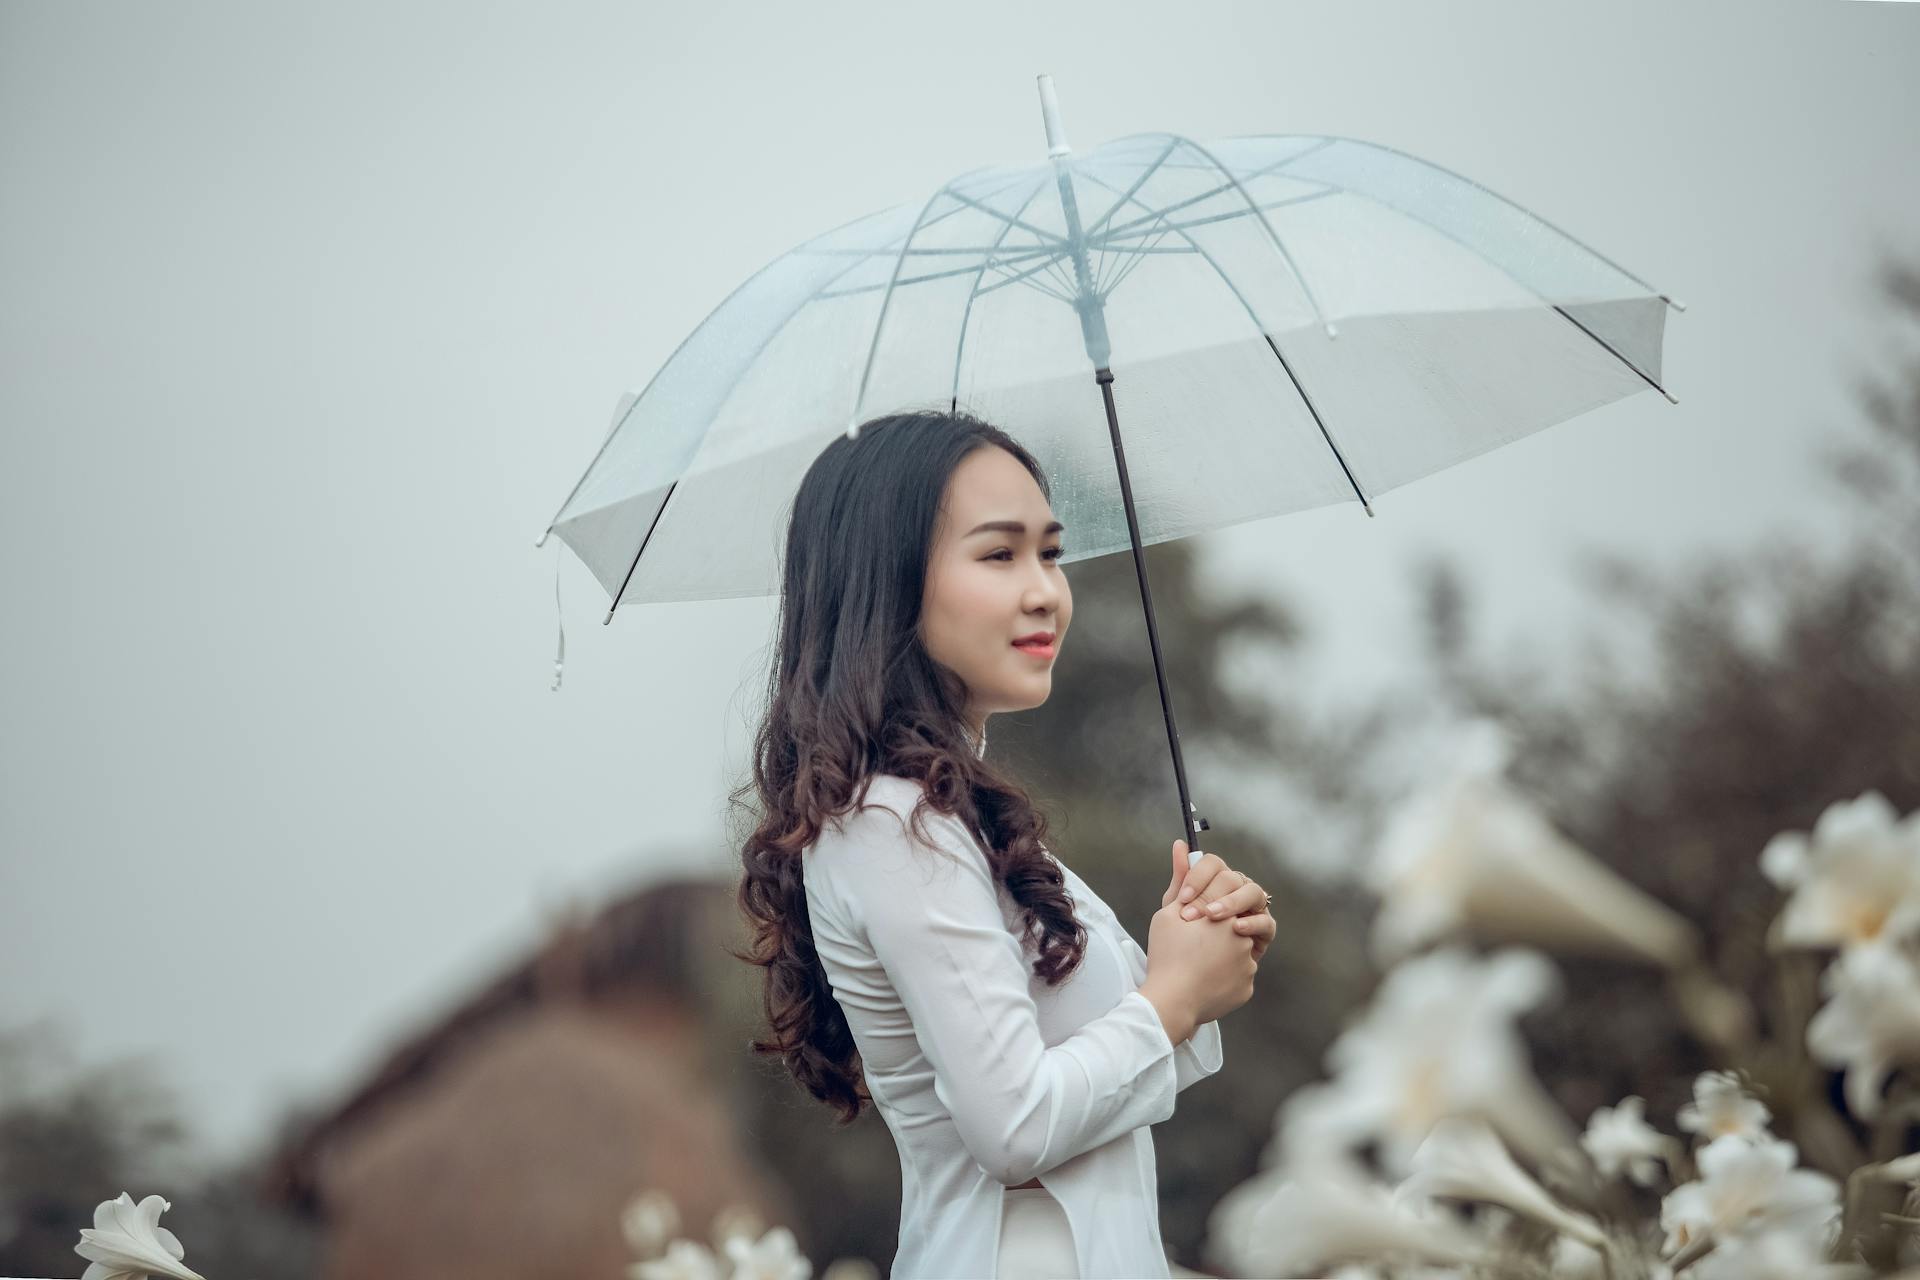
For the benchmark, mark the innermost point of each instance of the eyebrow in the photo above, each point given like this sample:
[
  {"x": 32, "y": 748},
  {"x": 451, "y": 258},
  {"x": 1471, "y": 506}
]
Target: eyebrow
[{"x": 1010, "y": 526}]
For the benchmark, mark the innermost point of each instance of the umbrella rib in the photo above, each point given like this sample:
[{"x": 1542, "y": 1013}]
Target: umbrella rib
[
  {"x": 1044, "y": 237},
  {"x": 1069, "y": 286},
  {"x": 960, "y": 271},
  {"x": 1460, "y": 177},
  {"x": 929, "y": 252},
  {"x": 1272, "y": 235},
  {"x": 1141, "y": 181},
  {"x": 1611, "y": 350},
  {"x": 1671, "y": 398},
  {"x": 1146, "y": 228},
  {"x": 615, "y": 429},
  {"x": 1022, "y": 278},
  {"x": 1262, "y": 172},
  {"x": 966, "y": 314},
  {"x": 922, "y": 279},
  {"x": 674, "y": 487},
  {"x": 1162, "y": 162},
  {"x": 1305, "y": 399},
  {"x": 1139, "y": 255},
  {"x": 1139, "y": 228},
  {"x": 860, "y": 256},
  {"x": 886, "y": 301}
]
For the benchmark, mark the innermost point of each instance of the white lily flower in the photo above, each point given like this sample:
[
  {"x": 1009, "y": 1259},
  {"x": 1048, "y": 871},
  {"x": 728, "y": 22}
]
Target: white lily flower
[
  {"x": 127, "y": 1242},
  {"x": 1573, "y": 1260},
  {"x": 1438, "y": 1039},
  {"x": 1721, "y": 1107},
  {"x": 683, "y": 1260},
  {"x": 735, "y": 1220},
  {"x": 1293, "y": 1221},
  {"x": 1619, "y": 1138},
  {"x": 1774, "y": 1255},
  {"x": 774, "y": 1256},
  {"x": 1473, "y": 855},
  {"x": 1871, "y": 1021},
  {"x": 1904, "y": 1169},
  {"x": 650, "y": 1219},
  {"x": 1463, "y": 1159},
  {"x": 1315, "y": 1123},
  {"x": 1746, "y": 1188},
  {"x": 1855, "y": 881}
]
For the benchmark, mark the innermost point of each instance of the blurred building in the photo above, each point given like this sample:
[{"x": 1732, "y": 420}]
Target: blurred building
[{"x": 505, "y": 1138}]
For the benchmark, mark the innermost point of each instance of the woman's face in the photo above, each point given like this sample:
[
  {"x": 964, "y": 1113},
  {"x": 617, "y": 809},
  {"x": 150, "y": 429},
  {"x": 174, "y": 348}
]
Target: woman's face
[{"x": 992, "y": 579}]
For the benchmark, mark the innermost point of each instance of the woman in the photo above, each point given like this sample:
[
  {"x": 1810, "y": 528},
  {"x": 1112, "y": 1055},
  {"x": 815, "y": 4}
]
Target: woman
[{"x": 924, "y": 950}]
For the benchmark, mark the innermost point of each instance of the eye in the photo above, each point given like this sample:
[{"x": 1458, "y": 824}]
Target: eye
[{"x": 1050, "y": 554}]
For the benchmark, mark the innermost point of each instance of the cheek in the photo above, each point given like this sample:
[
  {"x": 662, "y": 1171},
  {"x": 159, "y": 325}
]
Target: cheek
[{"x": 965, "y": 607}]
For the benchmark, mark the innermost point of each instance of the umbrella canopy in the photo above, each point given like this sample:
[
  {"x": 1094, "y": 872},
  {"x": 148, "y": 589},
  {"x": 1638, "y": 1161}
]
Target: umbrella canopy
[{"x": 1295, "y": 321}]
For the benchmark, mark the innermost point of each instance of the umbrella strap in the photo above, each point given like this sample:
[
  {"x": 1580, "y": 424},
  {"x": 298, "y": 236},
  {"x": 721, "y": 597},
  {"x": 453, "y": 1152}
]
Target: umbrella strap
[{"x": 560, "y": 656}]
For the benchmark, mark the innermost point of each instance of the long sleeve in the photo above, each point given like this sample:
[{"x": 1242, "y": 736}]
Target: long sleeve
[
  {"x": 1200, "y": 1054},
  {"x": 931, "y": 913}
]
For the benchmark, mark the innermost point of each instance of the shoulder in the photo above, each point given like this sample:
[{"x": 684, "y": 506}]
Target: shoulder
[{"x": 890, "y": 820}]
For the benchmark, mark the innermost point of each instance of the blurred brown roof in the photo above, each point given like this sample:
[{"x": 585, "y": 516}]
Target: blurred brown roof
[{"x": 505, "y": 1138}]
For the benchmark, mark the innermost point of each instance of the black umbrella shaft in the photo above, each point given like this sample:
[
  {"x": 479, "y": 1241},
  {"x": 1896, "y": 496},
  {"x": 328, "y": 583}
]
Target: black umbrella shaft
[{"x": 1104, "y": 376}]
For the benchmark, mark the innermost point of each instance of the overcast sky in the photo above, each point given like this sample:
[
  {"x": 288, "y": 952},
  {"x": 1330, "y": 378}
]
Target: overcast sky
[{"x": 310, "y": 317}]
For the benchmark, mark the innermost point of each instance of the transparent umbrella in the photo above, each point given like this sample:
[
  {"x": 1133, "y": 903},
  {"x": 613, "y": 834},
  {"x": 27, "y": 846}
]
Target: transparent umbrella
[{"x": 1283, "y": 322}]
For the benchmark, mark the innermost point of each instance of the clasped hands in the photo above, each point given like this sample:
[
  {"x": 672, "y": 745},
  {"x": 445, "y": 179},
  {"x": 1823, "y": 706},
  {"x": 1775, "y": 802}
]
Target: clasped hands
[{"x": 1216, "y": 892}]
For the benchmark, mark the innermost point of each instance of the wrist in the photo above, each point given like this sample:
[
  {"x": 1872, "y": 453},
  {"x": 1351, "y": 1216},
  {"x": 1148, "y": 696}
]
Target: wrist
[{"x": 1179, "y": 1023}]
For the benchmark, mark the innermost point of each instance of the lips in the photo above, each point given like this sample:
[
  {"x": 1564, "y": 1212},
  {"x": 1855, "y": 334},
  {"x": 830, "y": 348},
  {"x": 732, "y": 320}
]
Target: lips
[{"x": 1039, "y": 644}]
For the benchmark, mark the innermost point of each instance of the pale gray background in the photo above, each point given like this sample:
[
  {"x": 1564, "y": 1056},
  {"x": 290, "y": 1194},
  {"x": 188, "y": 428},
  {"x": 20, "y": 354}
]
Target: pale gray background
[{"x": 312, "y": 315}]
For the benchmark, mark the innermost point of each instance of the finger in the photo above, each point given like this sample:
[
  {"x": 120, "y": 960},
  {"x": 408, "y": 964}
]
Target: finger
[
  {"x": 1259, "y": 926},
  {"x": 1200, "y": 874},
  {"x": 1218, "y": 888},
  {"x": 1243, "y": 897},
  {"x": 1179, "y": 871},
  {"x": 1260, "y": 929}
]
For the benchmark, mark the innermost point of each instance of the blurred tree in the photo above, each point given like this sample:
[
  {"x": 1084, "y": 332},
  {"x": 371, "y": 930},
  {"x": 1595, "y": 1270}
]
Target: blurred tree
[{"x": 1767, "y": 685}]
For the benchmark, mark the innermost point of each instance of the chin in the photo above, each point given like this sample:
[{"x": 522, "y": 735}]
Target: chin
[{"x": 1029, "y": 701}]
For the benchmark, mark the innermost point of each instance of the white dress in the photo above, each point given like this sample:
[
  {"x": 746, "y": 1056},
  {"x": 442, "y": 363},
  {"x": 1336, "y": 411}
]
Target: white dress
[{"x": 986, "y": 1076}]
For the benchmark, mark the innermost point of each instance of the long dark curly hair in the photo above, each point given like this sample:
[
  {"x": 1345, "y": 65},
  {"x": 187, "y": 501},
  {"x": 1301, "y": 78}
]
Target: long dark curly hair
[{"x": 852, "y": 692}]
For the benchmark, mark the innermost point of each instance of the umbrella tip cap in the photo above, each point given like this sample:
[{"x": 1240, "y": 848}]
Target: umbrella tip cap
[{"x": 1050, "y": 117}]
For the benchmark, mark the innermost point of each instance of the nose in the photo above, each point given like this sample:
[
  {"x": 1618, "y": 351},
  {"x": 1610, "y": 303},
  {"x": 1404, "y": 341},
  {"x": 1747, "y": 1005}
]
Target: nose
[{"x": 1042, "y": 592}]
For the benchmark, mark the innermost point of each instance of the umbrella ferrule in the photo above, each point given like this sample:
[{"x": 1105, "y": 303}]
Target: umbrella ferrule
[{"x": 1050, "y": 114}]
